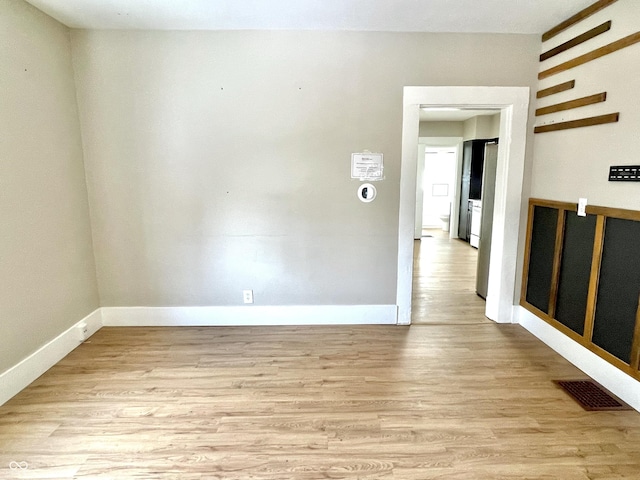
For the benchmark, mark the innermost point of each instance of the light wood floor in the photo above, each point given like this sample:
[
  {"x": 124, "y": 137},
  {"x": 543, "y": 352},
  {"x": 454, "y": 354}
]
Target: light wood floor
[
  {"x": 462, "y": 398},
  {"x": 444, "y": 281},
  {"x": 306, "y": 403}
]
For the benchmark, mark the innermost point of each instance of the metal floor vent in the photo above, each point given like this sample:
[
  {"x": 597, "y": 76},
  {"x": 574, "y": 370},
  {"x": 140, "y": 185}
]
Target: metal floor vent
[{"x": 591, "y": 396}]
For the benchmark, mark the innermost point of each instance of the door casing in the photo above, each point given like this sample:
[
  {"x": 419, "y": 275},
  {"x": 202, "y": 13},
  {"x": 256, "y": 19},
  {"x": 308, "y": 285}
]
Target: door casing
[{"x": 513, "y": 103}]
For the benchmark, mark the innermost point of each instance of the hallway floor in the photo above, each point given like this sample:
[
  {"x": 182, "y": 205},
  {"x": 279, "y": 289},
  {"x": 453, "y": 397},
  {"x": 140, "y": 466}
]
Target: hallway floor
[{"x": 444, "y": 279}]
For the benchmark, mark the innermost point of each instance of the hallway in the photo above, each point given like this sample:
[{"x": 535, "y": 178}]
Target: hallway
[{"x": 444, "y": 273}]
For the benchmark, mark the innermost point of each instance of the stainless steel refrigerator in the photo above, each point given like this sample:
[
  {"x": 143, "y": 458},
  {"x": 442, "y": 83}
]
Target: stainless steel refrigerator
[{"x": 488, "y": 196}]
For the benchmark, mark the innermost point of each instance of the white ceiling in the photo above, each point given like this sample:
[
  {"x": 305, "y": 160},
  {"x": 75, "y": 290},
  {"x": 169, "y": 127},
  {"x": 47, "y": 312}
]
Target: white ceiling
[{"x": 499, "y": 16}]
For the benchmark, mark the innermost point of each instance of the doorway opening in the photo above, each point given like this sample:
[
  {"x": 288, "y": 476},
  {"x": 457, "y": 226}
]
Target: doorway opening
[
  {"x": 436, "y": 186},
  {"x": 454, "y": 215},
  {"x": 513, "y": 103}
]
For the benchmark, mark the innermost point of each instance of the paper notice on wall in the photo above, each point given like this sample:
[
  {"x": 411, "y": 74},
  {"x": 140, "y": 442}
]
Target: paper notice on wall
[{"x": 367, "y": 166}]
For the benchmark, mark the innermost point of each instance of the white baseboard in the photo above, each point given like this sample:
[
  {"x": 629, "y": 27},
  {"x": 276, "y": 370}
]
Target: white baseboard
[
  {"x": 21, "y": 375},
  {"x": 18, "y": 377},
  {"x": 619, "y": 383},
  {"x": 15, "y": 379},
  {"x": 249, "y": 315}
]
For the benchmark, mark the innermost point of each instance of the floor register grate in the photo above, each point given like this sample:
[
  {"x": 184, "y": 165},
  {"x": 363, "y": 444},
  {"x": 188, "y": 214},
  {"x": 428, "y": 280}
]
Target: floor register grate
[{"x": 591, "y": 396}]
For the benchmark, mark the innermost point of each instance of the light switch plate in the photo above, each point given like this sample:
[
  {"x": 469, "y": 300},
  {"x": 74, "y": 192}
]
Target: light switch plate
[{"x": 582, "y": 206}]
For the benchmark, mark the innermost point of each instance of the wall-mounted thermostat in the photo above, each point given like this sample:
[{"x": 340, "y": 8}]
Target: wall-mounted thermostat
[{"x": 367, "y": 192}]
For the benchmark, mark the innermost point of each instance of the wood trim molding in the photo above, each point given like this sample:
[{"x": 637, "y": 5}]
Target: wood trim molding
[
  {"x": 592, "y": 347},
  {"x": 578, "y": 102},
  {"x": 607, "y": 374},
  {"x": 557, "y": 260},
  {"x": 613, "y": 360},
  {"x": 527, "y": 252},
  {"x": 583, "y": 122},
  {"x": 588, "y": 35},
  {"x": 586, "y": 338},
  {"x": 541, "y": 202},
  {"x": 555, "y": 324},
  {"x": 592, "y": 295},
  {"x": 594, "y": 54},
  {"x": 578, "y": 17},
  {"x": 621, "y": 213},
  {"x": 561, "y": 87},
  {"x": 635, "y": 348}
]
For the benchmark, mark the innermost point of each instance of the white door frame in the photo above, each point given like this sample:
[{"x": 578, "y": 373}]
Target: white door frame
[{"x": 513, "y": 103}]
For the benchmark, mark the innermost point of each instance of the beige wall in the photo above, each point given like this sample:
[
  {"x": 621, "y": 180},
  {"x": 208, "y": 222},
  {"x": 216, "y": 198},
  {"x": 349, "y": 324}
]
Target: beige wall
[
  {"x": 219, "y": 161},
  {"x": 575, "y": 163},
  {"x": 441, "y": 129},
  {"x": 481, "y": 127},
  {"x": 493, "y": 127},
  {"x": 469, "y": 128},
  {"x": 47, "y": 272}
]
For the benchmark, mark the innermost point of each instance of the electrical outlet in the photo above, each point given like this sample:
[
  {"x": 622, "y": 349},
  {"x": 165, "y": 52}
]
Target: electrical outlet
[
  {"x": 247, "y": 296},
  {"x": 83, "y": 331}
]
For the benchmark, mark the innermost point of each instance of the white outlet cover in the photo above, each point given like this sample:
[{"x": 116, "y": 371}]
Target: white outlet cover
[{"x": 247, "y": 296}]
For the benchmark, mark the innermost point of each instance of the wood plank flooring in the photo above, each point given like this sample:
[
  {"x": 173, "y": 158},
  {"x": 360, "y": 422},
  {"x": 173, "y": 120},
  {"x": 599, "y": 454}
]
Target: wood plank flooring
[
  {"x": 453, "y": 397},
  {"x": 306, "y": 403},
  {"x": 444, "y": 281}
]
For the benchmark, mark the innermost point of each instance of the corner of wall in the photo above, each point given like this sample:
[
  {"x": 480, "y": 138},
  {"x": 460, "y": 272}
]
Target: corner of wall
[
  {"x": 18, "y": 377},
  {"x": 90, "y": 209}
]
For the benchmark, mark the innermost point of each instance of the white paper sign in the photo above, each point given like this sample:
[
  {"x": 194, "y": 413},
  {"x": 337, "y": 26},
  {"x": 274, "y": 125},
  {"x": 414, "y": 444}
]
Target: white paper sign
[{"x": 366, "y": 166}]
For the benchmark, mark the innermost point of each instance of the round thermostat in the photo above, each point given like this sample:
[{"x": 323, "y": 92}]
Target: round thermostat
[{"x": 367, "y": 192}]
